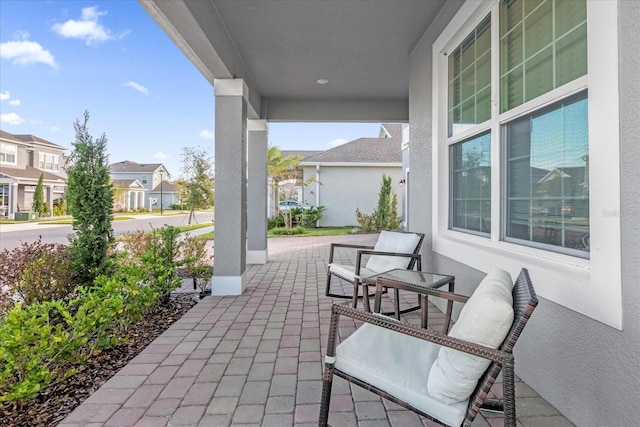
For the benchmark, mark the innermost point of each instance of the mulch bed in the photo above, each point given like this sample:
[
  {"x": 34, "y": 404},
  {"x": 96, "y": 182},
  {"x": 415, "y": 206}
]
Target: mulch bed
[{"x": 55, "y": 402}]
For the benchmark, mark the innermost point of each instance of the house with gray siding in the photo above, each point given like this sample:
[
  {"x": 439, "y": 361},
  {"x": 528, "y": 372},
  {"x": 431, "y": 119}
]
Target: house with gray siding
[
  {"x": 495, "y": 93},
  {"x": 349, "y": 176},
  {"x": 142, "y": 185},
  {"x": 23, "y": 158}
]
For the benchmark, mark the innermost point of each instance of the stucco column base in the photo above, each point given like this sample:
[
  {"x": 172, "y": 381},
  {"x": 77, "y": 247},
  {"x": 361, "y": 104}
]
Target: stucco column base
[
  {"x": 257, "y": 256},
  {"x": 228, "y": 285}
]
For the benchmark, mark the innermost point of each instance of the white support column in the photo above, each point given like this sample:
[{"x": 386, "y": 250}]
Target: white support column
[
  {"x": 13, "y": 204},
  {"x": 128, "y": 201},
  {"x": 231, "y": 187},
  {"x": 142, "y": 197},
  {"x": 257, "y": 146},
  {"x": 51, "y": 187}
]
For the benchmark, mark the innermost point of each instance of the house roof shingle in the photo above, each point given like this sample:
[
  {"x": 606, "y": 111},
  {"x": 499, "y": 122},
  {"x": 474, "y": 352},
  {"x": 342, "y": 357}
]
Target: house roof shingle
[
  {"x": 386, "y": 149},
  {"x": 128, "y": 166},
  {"x": 35, "y": 139},
  {"x": 30, "y": 173}
]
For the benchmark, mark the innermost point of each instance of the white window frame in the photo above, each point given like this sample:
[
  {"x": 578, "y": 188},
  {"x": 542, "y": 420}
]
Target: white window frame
[
  {"x": 5, "y": 150},
  {"x": 592, "y": 286}
]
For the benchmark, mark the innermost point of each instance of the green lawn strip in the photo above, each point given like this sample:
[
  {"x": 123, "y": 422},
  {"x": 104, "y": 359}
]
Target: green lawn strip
[{"x": 309, "y": 232}]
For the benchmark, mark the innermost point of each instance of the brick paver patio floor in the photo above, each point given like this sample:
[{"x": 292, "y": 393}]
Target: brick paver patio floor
[{"x": 255, "y": 360}]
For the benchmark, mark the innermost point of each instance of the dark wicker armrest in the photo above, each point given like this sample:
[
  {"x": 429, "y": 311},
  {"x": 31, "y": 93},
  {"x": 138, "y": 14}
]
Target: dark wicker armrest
[{"x": 430, "y": 335}]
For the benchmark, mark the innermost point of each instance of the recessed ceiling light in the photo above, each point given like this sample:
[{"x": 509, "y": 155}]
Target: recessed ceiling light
[{"x": 322, "y": 81}]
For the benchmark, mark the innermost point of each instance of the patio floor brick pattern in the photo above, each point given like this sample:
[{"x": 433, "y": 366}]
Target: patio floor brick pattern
[{"x": 255, "y": 359}]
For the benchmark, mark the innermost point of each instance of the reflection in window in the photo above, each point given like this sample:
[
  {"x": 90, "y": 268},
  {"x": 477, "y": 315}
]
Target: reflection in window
[
  {"x": 547, "y": 177},
  {"x": 471, "y": 184},
  {"x": 543, "y": 45},
  {"x": 470, "y": 80}
]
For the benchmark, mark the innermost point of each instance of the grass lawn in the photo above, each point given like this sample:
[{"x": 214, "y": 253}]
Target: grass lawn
[{"x": 322, "y": 231}]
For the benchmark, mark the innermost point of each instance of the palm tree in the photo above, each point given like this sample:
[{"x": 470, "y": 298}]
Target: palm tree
[{"x": 280, "y": 168}]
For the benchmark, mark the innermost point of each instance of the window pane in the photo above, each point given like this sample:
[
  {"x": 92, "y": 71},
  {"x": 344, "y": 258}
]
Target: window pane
[
  {"x": 471, "y": 184},
  {"x": 469, "y": 77},
  {"x": 549, "y": 38},
  {"x": 547, "y": 177}
]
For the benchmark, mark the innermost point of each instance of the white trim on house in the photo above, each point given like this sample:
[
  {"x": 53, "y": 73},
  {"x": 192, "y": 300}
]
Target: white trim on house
[{"x": 592, "y": 286}]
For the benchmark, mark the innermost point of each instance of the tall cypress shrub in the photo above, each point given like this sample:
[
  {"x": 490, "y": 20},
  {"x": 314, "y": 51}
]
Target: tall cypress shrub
[
  {"x": 90, "y": 199},
  {"x": 38, "y": 197}
]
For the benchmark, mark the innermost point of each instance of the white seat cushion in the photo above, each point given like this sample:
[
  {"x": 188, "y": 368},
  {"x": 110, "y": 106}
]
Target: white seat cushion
[
  {"x": 392, "y": 241},
  {"x": 348, "y": 272},
  {"x": 485, "y": 319},
  {"x": 397, "y": 364}
]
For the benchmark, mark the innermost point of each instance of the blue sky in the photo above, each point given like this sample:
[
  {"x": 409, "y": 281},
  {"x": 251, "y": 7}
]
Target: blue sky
[{"x": 60, "y": 58}]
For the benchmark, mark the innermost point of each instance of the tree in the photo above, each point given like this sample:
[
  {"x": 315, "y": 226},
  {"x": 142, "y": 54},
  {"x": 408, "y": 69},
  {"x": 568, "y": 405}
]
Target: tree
[
  {"x": 38, "y": 197},
  {"x": 90, "y": 198},
  {"x": 281, "y": 168},
  {"x": 385, "y": 216},
  {"x": 195, "y": 187}
]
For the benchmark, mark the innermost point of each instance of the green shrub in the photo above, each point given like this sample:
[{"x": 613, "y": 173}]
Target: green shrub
[
  {"x": 35, "y": 272},
  {"x": 179, "y": 207},
  {"x": 275, "y": 222},
  {"x": 307, "y": 218},
  {"x": 385, "y": 216},
  {"x": 288, "y": 231}
]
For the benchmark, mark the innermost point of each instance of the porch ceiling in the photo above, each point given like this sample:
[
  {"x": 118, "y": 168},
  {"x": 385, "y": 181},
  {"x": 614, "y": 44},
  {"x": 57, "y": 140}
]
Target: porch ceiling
[{"x": 281, "y": 49}]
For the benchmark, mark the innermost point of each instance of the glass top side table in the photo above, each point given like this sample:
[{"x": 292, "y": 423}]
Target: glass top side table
[{"x": 421, "y": 282}]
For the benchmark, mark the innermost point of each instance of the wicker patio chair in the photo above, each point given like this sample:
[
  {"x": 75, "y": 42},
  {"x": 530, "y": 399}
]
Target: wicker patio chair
[
  {"x": 405, "y": 364},
  {"x": 394, "y": 249}
]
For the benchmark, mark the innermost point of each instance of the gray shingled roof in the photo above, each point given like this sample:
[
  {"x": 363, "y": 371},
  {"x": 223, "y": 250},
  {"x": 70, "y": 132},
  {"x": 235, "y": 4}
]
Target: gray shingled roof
[
  {"x": 32, "y": 138},
  {"x": 29, "y": 172},
  {"x": 8, "y": 136},
  {"x": 167, "y": 187},
  {"x": 303, "y": 154},
  {"x": 128, "y": 166},
  {"x": 365, "y": 150}
]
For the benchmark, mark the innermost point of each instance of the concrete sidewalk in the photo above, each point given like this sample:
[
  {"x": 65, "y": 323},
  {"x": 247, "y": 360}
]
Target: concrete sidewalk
[{"x": 255, "y": 360}]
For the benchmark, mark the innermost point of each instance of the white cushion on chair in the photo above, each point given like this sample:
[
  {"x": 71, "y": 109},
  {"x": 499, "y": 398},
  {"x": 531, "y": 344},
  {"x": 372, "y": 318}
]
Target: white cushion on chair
[
  {"x": 348, "y": 272},
  {"x": 485, "y": 319},
  {"x": 392, "y": 241},
  {"x": 397, "y": 364}
]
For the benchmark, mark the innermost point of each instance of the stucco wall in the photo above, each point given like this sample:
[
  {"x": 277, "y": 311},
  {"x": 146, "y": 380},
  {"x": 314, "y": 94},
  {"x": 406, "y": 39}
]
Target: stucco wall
[
  {"x": 589, "y": 371},
  {"x": 344, "y": 189}
]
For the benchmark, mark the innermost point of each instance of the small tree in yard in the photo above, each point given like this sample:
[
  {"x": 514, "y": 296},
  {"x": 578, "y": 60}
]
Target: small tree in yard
[
  {"x": 195, "y": 187},
  {"x": 385, "y": 216},
  {"x": 38, "y": 197},
  {"x": 90, "y": 198}
]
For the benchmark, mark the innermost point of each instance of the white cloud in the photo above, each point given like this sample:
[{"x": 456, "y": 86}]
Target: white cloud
[
  {"x": 11, "y": 119},
  {"x": 24, "y": 52},
  {"x": 54, "y": 129},
  {"x": 161, "y": 156},
  {"x": 207, "y": 134},
  {"x": 14, "y": 102},
  {"x": 5, "y": 95},
  {"x": 137, "y": 87},
  {"x": 86, "y": 28},
  {"x": 337, "y": 142}
]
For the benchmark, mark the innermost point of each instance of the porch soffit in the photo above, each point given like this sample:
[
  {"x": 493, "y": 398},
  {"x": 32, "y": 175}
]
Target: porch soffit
[{"x": 281, "y": 49}]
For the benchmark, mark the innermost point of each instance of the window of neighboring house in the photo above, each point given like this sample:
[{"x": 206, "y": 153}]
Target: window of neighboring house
[
  {"x": 8, "y": 153},
  {"x": 4, "y": 195},
  {"x": 49, "y": 161},
  {"x": 145, "y": 179},
  {"x": 527, "y": 143}
]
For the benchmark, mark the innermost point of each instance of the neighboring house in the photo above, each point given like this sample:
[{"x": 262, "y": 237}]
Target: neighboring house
[
  {"x": 23, "y": 158},
  {"x": 349, "y": 176},
  {"x": 140, "y": 185},
  {"x": 511, "y": 88}
]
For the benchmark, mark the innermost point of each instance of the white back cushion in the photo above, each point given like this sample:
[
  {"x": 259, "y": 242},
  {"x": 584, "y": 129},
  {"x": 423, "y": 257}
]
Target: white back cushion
[
  {"x": 392, "y": 241},
  {"x": 485, "y": 319}
]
